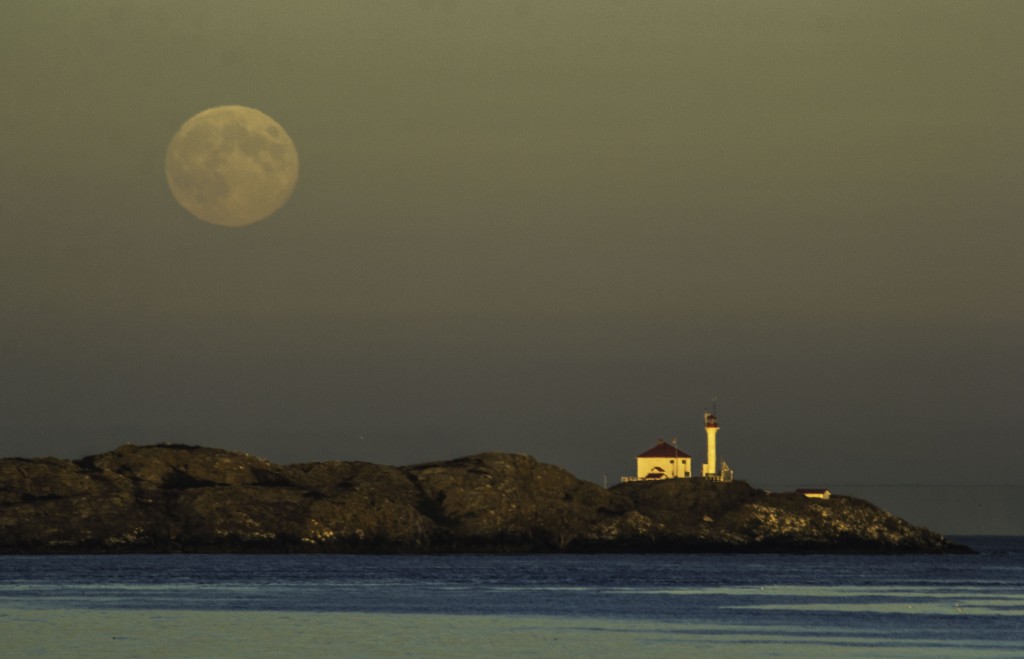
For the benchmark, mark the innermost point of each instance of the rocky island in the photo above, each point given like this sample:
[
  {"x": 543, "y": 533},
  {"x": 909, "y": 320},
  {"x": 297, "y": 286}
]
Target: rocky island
[{"x": 178, "y": 498}]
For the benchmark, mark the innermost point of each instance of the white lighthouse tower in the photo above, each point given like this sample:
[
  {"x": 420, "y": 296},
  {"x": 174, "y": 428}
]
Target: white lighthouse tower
[{"x": 711, "y": 428}]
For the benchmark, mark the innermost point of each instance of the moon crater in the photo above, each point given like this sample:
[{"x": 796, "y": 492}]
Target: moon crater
[{"x": 231, "y": 165}]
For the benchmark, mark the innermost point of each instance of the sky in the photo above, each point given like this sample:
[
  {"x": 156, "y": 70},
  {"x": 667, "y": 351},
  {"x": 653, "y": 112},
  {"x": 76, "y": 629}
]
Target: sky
[{"x": 554, "y": 228}]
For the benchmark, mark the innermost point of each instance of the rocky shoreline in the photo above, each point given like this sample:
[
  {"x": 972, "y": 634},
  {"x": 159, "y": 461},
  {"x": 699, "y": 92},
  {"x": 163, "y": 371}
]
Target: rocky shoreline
[{"x": 178, "y": 498}]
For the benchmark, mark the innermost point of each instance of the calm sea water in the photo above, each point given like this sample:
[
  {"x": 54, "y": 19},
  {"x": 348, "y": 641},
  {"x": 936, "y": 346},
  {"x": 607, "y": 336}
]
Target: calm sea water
[{"x": 539, "y": 605}]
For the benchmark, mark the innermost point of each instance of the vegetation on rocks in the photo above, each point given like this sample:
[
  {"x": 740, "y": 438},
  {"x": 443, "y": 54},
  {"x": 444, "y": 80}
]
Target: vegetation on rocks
[{"x": 170, "y": 498}]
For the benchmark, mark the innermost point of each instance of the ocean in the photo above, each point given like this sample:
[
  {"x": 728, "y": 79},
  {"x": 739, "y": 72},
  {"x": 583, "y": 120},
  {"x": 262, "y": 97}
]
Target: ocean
[{"x": 652, "y": 605}]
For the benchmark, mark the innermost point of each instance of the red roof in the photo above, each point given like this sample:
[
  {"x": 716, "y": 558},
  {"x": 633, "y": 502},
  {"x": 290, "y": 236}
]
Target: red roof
[{"x": 663, "y": 450}]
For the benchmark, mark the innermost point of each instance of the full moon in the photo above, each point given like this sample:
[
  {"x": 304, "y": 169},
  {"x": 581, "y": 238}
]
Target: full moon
[{"x": 231, "y": 165}]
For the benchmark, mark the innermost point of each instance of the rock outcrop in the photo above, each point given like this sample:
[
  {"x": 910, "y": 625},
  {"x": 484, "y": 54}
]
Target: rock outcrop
[{"x": 171, "y": 498}]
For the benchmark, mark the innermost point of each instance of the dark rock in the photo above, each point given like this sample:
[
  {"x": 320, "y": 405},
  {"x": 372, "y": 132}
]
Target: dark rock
[
  {"x": 177, "y": 466},
  {"x": 188, "y": 498},
  {"x": 696, "y": 514},
  {"x": 497, "y": 501}
]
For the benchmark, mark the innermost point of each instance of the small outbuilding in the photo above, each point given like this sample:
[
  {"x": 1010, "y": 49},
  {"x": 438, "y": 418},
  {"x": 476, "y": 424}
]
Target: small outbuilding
[{"x": 812, "y": 493}]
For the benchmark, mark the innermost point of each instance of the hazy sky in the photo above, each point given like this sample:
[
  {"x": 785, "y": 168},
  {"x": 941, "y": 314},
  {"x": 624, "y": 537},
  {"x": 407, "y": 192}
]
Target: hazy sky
[{"x": 557, "y": 228}]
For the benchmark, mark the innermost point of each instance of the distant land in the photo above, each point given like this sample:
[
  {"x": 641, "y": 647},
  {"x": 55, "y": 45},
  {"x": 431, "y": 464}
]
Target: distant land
[{"x": 178, "y": 498}]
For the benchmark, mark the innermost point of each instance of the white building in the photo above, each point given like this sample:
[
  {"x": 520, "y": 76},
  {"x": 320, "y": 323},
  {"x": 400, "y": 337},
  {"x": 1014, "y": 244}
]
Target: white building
[
  {"x": 667, "y": 461},
  {"x": 663, "y": 461}
]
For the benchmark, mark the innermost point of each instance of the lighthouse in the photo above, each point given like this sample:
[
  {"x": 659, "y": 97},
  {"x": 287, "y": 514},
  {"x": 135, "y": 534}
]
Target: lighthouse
[{"x": 711, "y": 428}]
